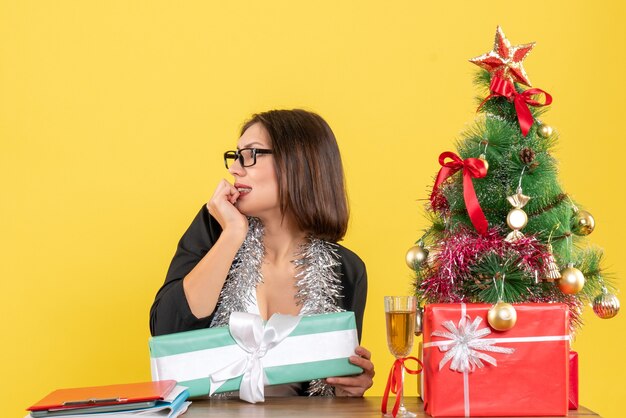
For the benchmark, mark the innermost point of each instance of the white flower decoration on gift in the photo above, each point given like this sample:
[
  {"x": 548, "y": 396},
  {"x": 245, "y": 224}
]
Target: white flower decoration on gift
[{"x": 464, "y": 345}]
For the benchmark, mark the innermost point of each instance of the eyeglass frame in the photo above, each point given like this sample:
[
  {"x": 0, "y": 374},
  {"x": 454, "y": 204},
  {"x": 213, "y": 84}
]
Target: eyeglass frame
[{"x": 235, "y": 155}]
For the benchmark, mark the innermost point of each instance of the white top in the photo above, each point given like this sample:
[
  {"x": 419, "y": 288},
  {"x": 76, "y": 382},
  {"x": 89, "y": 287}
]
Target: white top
[{"x": 253, "y": 306}]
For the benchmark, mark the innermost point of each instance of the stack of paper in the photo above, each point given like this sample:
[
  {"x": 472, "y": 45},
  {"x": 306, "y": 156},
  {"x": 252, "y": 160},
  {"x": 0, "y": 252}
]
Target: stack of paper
[{"x": 162, "y": 399}]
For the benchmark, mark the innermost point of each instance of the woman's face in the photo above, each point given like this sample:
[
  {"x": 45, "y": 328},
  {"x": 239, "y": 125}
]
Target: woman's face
[{"x": 258, "y": 184}]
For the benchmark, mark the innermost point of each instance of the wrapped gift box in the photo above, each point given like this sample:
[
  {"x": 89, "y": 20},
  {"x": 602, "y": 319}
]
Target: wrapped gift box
[
  {"x": 526, "y": 374},
  {"x": 317, "y": 347},
  {"x": 573, "y": 380}
]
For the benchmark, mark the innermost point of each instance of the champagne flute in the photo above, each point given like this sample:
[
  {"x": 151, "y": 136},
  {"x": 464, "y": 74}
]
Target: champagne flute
[{"x": 400, "y": 314}]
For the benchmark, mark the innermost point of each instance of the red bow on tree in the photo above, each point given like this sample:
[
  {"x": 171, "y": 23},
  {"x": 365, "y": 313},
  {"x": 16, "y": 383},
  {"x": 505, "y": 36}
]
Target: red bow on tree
[
  {"x": 394, "y": 382},
  {"x": 472, "y": 168},
  {"x": 505, "y": 88}
]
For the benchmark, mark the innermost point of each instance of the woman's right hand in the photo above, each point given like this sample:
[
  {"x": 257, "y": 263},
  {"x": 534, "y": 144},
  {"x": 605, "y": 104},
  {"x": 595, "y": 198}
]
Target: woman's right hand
[{"x": 222, "y": 207}]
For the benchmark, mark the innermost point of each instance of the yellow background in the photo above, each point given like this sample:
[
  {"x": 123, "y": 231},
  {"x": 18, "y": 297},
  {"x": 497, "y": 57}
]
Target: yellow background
[{"x": 114, "y": 116}]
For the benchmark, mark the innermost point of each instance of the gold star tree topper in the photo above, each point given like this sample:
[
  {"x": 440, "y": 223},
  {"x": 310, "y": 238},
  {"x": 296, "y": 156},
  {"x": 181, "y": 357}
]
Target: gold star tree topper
[{"x": 505, "y": 60}]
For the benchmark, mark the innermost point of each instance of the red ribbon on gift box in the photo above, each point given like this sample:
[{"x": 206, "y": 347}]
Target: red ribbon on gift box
[
  {"x": 472, "y": 168},
  {"x": 505, "y": 88},
  {"x": 394, "y": 382}
]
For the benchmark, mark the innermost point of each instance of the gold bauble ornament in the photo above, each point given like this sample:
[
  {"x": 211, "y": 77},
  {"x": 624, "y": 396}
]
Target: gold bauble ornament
[
  {"x": 583, "y": 223},
  {"x": 606, "y": 305},
  {"x": 572, "y": 280},
  {"x": 483, "y": 158},
  {"x": 502, "y": 316},
  {"x": 545, "y": 131},
  {"x": 516, "y": 219},
  {"x": 416, "y": 256}
]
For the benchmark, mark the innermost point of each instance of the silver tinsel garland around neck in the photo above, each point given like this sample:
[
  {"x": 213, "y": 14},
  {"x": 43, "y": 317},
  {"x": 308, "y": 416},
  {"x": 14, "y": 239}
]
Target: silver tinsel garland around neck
[
  {"x": 243, "y": 276},
  {"x": 318, "y": 285}
]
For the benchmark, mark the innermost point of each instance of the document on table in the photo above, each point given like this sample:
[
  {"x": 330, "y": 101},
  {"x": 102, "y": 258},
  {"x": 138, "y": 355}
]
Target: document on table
[{"x": 172, "y": 406}]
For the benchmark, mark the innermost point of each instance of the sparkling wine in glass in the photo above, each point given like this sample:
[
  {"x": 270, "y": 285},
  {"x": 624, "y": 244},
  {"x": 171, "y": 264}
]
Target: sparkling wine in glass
[{"x": 400, "y": 314}]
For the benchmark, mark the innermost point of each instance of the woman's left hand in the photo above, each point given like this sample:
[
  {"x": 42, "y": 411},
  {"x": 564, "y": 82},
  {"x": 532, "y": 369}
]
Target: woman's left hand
[{"x": 355, "y": 385}]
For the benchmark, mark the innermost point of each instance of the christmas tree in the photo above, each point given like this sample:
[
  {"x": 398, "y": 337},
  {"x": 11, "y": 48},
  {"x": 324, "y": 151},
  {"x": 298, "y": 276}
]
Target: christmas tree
[{"x": 502, "y": 228}]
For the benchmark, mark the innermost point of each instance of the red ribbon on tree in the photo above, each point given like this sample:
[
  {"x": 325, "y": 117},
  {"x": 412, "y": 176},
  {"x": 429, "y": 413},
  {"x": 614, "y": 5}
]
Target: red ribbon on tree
[
  {"x": 472, "y": 168},
  {"x": 505, "y": 88},
  {"x": 394, "y": 382}
]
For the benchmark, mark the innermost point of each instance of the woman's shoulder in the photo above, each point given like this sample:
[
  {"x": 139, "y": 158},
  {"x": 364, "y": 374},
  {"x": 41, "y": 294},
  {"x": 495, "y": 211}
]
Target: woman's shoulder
[
  {"x": 353, "y": 275},
  {"x": 350, "y": 258}
]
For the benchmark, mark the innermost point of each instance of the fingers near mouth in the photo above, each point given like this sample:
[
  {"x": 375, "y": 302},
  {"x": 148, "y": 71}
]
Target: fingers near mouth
[{"x": 233, "y": 196}]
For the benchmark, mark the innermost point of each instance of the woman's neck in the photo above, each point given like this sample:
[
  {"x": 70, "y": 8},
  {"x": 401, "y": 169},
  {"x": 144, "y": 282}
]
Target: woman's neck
[{"x": 281, "y": 239}]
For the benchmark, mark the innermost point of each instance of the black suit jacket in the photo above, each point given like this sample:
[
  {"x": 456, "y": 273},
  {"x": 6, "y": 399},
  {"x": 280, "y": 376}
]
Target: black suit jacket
[{"x": 170, "y": 311}]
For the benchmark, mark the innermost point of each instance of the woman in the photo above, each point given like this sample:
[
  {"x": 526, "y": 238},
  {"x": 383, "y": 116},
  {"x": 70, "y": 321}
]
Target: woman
[{"x": 268, "y": 242}]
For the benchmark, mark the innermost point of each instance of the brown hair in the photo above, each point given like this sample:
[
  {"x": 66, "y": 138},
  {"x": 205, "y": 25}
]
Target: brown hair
[{"x": 308, "y": 166}]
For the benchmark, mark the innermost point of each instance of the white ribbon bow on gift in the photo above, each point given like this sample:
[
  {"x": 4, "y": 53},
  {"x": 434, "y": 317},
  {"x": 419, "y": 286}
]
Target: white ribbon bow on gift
[
  {"x": 464, "y": 345},
  {"x": 255, "y": 340}
]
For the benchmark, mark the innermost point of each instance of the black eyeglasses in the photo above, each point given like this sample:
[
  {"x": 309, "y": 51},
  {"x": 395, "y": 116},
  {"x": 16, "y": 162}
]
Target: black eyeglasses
[{"x": 246, "y": 156}]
